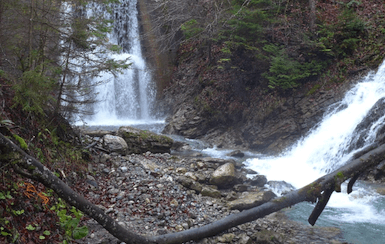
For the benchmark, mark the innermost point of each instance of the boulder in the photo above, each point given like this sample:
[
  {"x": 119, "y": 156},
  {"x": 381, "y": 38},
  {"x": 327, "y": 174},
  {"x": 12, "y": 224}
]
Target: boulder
[
  {"x": 251, "y": 200},
  {"x": 115, "y": 144},
  {"x": 141, "y": 141},
  {"x": 381, "y": 190},
  {"x": 210, "y": 192},
  {"x": 190, "y": 183},
  {"x": 258, "y": 180},
  {"x": 224, "y": 176},
  {"x": 236, "y": 154}
]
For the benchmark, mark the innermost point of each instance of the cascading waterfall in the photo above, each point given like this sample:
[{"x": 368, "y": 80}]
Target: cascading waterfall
[
  {"x": 361, "y": 215},
  {"x": 126, "y": 98}
]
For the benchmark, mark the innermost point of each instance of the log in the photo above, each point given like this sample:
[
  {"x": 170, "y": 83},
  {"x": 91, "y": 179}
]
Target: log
[{"x": 319, "y": 191}]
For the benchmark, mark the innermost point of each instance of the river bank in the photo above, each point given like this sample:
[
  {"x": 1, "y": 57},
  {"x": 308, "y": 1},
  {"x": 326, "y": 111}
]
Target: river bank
[{"x": 154, "y": 194}]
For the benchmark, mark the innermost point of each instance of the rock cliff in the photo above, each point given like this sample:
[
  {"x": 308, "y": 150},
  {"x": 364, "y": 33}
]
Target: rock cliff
[
  {"x": 231, "y": 110},
  {"x": 223, "y": 98}
]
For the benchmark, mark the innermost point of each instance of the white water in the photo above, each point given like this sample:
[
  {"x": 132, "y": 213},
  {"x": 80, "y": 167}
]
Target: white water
[
  {"x": 127, "y": 98},
  {"x": 323, "y": 151}
]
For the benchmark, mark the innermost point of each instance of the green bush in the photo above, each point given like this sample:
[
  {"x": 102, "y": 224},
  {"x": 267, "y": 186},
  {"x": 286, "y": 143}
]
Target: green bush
[
  {"x": 34, "y": 91},
  {"x": 191, "y": 28},
  {"x": 286, "y": 73},
  {"x": 342, "y": 37}
]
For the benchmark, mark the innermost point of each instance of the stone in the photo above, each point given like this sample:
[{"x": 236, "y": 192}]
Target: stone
[
  {"x": 115, "y": 144},
  {"x": 124, "y": 169},
  {"x": 104, "y": 158},
  {"x": 148, "y": 164},
  {"x": 190, "y": 183},
  {"x": 251, "y": 200},
  {"x": 201, "y": 165},
  {"x": 142, "y": 141},
  {"x": 181, "y": 170},
  {"x": 224, "y": 176},
  {"x": 381, "y": 190},
  {"x": 210, "y": 192},
  {"x": 191, "y": 175},
  {"x": 258, "y": 180},
  {"x": 226, "y": 238},
  {"x": 174, "y": 203},
  {"x": 236, "y": 154},
  {"x": 240, "y": 188},
  {"x": 211, "y": 160}
]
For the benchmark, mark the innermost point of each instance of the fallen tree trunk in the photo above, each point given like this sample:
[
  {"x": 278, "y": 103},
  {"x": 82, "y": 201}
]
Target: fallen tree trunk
[{"x": 318, "y": 191}]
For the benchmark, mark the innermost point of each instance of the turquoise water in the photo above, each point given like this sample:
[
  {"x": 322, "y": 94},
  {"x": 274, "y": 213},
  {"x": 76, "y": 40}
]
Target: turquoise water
[{"x": 357, "y": 232}]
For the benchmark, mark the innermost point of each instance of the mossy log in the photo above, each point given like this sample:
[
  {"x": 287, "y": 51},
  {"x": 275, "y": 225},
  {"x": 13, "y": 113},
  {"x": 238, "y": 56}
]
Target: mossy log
[{"x": 318, "y": 191}]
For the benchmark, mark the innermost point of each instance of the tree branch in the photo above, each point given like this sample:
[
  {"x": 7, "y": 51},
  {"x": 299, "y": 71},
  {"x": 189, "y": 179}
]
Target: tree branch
[{"x": 320, "y": 189}]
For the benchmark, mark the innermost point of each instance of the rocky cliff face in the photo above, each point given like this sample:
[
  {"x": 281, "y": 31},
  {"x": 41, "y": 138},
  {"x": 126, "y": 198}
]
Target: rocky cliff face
[
  {"x": 224, "y": 99},
  {"x": 228, "y": 108}
]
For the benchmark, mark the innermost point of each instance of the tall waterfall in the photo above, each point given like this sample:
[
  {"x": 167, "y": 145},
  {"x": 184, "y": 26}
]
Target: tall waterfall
[
  {"x": 326, "y": 148},
  {"x": 126, "y": 98}
]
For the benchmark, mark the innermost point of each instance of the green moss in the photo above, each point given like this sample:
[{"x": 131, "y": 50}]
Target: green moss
[
  {"x": 313, "y": 192},
  {"x": 313, "y": 89},
  {"x": 21, "y": 141},
  {"x": 340, "y": 175}
]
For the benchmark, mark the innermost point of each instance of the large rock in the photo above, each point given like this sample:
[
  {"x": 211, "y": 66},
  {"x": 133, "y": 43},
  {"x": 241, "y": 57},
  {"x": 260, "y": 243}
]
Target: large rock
[
  {"x": 115, "y": 144},
  {"x": 210, "y": 192},
  {"x": 186, "y": 122},
  {"x": 224, "y": 176},
  {"x": 141, "y": 141},
  {"x": 251, "y": 200}
]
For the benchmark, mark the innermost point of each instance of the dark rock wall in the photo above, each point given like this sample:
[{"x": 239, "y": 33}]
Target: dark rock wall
[{"x": 266, "y": 127}]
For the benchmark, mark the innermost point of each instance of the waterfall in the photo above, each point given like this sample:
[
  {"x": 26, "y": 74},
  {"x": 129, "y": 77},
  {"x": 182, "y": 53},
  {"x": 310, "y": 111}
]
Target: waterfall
[
  {"x": 326, "y": 148},
  {"x": 126, "y": 98}
]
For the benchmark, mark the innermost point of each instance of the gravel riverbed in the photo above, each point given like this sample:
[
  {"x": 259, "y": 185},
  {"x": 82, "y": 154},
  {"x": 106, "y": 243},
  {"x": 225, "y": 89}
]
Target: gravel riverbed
[{"x": 145, "y": 193}]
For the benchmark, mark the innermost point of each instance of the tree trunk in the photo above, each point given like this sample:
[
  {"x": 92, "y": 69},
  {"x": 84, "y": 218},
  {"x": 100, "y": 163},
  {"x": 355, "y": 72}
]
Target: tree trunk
[
  {"x": 312, "y": 14},
  {"x": 321, "y": 190}
]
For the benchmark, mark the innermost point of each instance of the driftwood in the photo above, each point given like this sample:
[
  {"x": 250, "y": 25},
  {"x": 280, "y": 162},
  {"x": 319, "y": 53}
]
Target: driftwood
[{"x": 318, "y": 191}]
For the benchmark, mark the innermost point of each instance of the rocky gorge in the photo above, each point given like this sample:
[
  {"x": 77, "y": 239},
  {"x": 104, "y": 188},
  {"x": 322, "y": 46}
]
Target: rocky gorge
[{"x": 157, "y": 193}]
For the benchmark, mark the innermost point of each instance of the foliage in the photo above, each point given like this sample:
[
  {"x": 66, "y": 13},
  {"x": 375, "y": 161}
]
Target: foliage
[
  {"x": 70, "y": 222},
  {"x": 21, "y": 141},
  {"x": 249, "y": 21},
  {"x": 34, "y": 91},
  {"x": 286, "y": 73},
  {"x": 191, "y": 28},
  {"x": 342, "y": 37}
]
